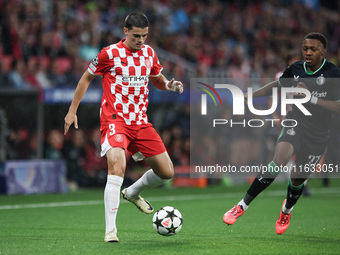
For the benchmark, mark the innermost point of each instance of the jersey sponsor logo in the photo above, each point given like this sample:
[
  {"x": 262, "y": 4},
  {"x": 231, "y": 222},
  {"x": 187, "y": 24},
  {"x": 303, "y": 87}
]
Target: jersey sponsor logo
[
  {"x": 291, "y": 132},
  {"x": 296, "y": 77},
  {"x": 320, "y": 80},
  {"x": 136, "y": 80},
  {"x": 319, "y": 94}
]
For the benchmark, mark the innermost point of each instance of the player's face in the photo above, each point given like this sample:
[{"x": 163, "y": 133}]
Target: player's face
[
  {"x": 135, "y": 37},
  {"x": 313, "y": 53}
]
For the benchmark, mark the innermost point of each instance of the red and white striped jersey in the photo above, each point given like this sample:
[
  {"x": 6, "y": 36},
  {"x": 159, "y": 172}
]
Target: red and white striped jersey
[{"x": 125, "y": 76}]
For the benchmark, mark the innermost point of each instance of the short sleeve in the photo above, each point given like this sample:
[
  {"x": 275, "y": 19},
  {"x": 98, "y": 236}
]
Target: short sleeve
[
  {"x": 100, "y": 64},
  {"x": 157, "y": 67},
  {"x": 283, "y": 80}
]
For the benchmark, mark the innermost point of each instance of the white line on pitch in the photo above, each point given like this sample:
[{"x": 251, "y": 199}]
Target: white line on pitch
[{"x": 164, "y": 198}]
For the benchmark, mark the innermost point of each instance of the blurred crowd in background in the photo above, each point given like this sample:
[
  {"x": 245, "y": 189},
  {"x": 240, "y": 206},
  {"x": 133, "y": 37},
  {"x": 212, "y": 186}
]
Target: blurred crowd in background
[{"x": 49, "y": 44}]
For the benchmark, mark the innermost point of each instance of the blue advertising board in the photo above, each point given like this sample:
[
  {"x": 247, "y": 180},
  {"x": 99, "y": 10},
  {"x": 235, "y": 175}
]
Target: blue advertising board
[{"x": 35, "y": 176}]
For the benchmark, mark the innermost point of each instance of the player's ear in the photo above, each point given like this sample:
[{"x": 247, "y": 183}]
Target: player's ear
[
  {"x": 323, "y": 52},
  {"x": 125, "y": 30}
]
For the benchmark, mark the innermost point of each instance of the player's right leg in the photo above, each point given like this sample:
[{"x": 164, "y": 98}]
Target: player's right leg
[
  {"x": 116, "y": 169},
  {"x": 283, "y": 153}
]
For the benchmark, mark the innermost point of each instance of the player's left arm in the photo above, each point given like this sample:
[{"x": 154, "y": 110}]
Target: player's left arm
[
  {"x": 163, "y": 83},
  {"x": 332, "y": 106}
]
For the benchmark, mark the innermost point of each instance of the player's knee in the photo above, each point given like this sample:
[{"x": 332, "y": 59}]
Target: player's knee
[
  {"x": 279, "y": 161},
  {"x": 283, "y": 153},
  {"x": 168, "y": 173},
  {"x": 116, "y": 167}
]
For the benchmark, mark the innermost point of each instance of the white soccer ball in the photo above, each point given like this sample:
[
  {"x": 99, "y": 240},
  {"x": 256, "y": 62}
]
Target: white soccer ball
[{"x": 167, "y": 221}]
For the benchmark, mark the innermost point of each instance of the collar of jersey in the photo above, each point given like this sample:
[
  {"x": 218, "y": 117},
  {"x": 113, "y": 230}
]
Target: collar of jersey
[
  {"x": 310, "y": 72},
  {"x": 122, "y": 43}
]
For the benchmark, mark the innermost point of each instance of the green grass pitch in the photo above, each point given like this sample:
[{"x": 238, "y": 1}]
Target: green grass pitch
[{"x": 73, "y": 223}]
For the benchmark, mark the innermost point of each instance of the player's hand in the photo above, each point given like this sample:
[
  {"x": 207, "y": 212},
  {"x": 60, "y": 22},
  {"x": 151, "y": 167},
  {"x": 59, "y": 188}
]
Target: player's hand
[
  {"x": 302, "y": 86},
  {"x": 313, "y": 99},
  {"x": 69, "y": 120},
  {"x": 174, "y": 86}
]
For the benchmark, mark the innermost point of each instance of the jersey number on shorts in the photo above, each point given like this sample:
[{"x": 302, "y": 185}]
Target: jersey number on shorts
[
  {"x": 112, "y": 129},
  {"x": 313, "y": 160}
]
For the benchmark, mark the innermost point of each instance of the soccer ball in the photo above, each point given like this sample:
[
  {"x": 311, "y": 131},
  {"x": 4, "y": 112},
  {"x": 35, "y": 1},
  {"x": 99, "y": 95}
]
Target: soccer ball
[{"x": 167, "y": 221}]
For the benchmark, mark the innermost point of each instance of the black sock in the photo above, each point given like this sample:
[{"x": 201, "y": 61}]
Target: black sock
[
  {"x": 293, "y": 194},
  {"x": 261, "y": 182}
]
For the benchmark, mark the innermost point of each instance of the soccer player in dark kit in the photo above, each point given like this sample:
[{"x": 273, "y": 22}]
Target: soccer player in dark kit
[{"x": 308, "y": 134}]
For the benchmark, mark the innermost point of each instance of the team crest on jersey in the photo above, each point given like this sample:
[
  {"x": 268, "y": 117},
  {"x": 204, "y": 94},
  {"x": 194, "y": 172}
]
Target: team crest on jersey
[
  {"x": 118, "y": 138},
  {"x": 147, "y": 63},
  {"x": 291, "y": 132},
  {"x": 95, "y": 61},
  {"x": 320, "y": 80}
]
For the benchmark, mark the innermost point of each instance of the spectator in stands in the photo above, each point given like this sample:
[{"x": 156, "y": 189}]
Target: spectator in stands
[
  {"x": 17, "y": 75},
  {"x": 41, "y": 75},
  {"x": 54, "y": 145},
  {"x": 4, "y": 79},
  {"x": 58, "y": 75},
  {"x": 31, "y": 72},
  {"x": 74, "y": 153},
  {"x": 95, "y": 165}
]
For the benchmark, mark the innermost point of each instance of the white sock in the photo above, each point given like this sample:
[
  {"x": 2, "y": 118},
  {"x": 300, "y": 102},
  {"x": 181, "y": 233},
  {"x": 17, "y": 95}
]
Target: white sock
[
  {"x": 148, "y": 180},
  {"x": 285, "y": 210},
  {"x": 111, "y": 201},
  {"x": 243, "y": 205}
]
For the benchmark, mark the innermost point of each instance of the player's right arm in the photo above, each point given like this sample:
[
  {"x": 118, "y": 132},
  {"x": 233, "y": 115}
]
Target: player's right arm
[
  {"x": 71, "y": 116},
  {"x": 266, "y": 90}
]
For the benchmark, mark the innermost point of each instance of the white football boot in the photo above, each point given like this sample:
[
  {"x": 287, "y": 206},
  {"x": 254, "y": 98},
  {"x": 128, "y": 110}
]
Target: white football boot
[
  {"x": 111, "y": 236},
  {"x": 142, "y": 204}
]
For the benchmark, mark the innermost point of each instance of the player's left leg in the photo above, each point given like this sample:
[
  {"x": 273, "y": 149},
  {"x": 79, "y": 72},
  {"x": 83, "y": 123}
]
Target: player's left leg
[
  {"x": 304, "y": 160},
  {"x": 295, "y": 189},
  {"x": 161, "y": 171},
  {"x": 149, "y": 146}
]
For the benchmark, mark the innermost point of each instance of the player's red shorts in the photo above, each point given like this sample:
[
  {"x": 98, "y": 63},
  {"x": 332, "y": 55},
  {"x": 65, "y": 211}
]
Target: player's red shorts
[{"x": 142, "y": 141}]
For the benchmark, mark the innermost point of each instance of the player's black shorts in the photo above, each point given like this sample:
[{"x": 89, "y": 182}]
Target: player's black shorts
[{"x": 308, "y": 153}]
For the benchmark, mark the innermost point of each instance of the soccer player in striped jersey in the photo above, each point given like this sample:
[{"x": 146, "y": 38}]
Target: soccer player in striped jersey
[{"x": 126, "y": 68}]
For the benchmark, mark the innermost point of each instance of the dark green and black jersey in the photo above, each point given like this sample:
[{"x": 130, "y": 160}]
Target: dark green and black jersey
[{"x": 324, "y": 83}]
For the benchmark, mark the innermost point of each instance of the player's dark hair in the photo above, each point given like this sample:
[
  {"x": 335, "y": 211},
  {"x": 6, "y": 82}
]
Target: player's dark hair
[
  {"x": 317, "y": 36},
  {"x": 136, "y": 19}
]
